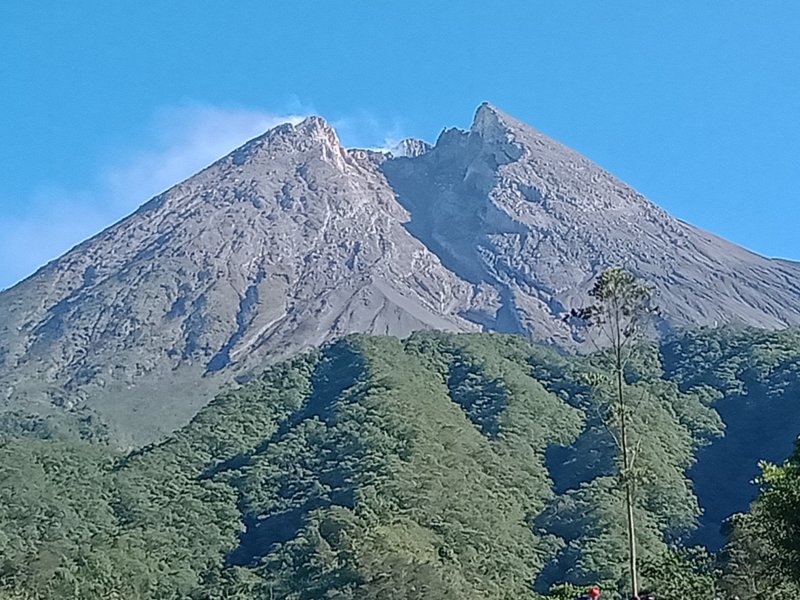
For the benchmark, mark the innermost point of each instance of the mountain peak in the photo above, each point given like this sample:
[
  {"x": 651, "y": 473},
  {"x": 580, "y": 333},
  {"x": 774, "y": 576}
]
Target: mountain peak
[
  {"x": 316, "y": 125},
  {"x": 490, "y": 119},
  {"x": 313, "y": 128},
  {"x": 313, "y": 132},
  {"x": 486, "y": 109},
  {"x": 507, "y": 135},
  {"x": 292, "y": 240}
]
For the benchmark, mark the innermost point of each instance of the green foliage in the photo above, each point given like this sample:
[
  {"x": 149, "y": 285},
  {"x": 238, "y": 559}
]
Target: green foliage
[
  {"x": 681, "y": 574},
  {"x": 752, "y": 565},
  {"x": 66, "y": 425},
  {"x": 371, "y": 469},
  {"x": 780, "y": 505},
  {"x": 752, "y": 378},
  {"x": 735, "y": 362},
  {"x": 565, "y": 591},
  {"x": 458, "y": 466},
  {"x": 762, "y": 556},
  {"x": 640, "y": 438}
]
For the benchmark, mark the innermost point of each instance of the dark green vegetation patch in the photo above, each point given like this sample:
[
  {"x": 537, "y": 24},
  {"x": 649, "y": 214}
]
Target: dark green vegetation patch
[{"x": 442, "y": 466}]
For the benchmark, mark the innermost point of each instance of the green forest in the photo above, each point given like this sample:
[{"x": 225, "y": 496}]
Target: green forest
[{"x": 461, "y": 466}]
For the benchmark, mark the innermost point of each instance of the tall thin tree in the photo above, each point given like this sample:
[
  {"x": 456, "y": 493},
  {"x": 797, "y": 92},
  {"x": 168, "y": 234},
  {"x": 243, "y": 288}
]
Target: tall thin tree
[{"x": 619, "y": 319}]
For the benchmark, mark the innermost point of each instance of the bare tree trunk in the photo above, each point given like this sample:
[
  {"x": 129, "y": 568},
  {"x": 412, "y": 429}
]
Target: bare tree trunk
[
  {"x": 628, "y": 482},
  {"x": 631, "y": 539}
]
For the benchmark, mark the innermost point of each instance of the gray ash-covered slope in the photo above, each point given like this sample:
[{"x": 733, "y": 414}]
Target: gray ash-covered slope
[
  {"x": 292, "y": 240},
  {"x": 505, "y": 205},
  {"x": 283, "y": 244}
]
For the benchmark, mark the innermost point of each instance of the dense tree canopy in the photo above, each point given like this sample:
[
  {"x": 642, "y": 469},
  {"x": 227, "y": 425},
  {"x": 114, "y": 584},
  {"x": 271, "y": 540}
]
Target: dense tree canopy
[{"x": 458, "y": 466}]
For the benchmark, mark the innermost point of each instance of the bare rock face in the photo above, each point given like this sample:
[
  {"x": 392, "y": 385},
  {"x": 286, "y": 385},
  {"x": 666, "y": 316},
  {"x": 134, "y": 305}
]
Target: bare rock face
[
  {"x": 504, "y": 205},
  {"x": 287, "y": 242},
  {"x": 292, "y": 240},
  {"x": 411, "y": 148}
]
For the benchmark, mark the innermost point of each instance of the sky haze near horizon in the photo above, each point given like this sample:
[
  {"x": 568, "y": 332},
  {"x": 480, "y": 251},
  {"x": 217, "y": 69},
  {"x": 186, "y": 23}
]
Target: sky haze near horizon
[{"x": 104, "y": 105}]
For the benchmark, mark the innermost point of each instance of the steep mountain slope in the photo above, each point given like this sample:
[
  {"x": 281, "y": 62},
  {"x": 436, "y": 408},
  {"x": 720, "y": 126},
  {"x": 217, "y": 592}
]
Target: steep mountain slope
[
  {"x": 757, "y": 377},
  {"x": 286, "y": 242},
  {"x": 292, "y": 240},
  {"x": 505, "y": 205},
  {"x": 371, "y": 468}
]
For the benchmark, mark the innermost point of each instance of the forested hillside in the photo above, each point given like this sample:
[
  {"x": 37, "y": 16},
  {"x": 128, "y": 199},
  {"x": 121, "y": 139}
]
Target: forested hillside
[
  {"x": 762, "y": 555},
  {"x": 443, "y": 466},
  {"x": 756, "y": 376}
]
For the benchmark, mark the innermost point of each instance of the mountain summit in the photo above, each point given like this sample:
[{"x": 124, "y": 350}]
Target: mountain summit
[
  {"x": 504, "y": 204},
  {"x": 292, "y": 240}
]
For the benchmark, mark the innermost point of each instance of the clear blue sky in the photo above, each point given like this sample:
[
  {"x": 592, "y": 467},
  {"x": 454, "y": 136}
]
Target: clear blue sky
[{"x": 697, "y": 104}]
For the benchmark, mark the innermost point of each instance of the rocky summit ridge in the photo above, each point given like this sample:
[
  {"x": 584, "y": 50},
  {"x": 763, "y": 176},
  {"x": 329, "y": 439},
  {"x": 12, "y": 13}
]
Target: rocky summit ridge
[{"x": 293, "y": 239}]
